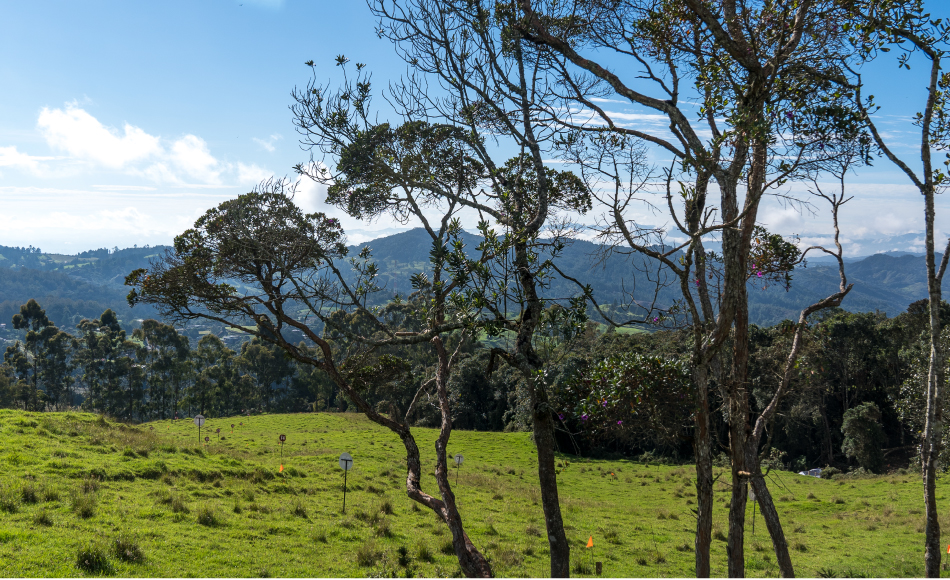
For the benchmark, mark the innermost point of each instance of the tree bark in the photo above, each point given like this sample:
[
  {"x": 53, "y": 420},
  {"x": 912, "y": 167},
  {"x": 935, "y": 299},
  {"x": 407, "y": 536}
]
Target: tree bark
[
  {"x": 933, "y": 427},
  {"x": 472, "y": 562},
  {"x": 704, "y": 481}
]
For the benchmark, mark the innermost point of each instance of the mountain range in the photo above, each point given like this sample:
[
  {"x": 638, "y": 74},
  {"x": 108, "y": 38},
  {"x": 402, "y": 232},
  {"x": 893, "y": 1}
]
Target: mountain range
[{"x": 72, "y": 287}]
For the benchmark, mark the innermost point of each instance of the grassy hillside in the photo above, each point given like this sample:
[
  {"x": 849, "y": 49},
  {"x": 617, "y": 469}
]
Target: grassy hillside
[{"x": 149, "y": 501}]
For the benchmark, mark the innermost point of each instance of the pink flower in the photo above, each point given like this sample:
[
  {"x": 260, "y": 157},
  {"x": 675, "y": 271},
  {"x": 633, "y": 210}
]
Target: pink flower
[{"x": 620, "y": 422}]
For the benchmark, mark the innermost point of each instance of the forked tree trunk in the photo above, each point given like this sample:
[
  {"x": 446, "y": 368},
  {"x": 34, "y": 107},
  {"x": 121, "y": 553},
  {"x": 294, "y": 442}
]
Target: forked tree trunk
[{"x": 472, "y": 562}]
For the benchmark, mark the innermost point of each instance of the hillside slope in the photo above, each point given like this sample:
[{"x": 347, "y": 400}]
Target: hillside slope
[{"x": 152, "y": 502}]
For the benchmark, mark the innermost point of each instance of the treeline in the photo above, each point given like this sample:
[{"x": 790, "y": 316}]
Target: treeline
[{"x": 858, "y": 383}]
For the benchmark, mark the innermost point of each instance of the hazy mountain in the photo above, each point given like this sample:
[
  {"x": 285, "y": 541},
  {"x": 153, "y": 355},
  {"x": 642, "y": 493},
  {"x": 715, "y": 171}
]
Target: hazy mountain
[{"x": 71, "y": 287}]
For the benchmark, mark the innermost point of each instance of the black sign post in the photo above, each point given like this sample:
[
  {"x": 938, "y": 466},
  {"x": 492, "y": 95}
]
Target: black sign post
[
  {"x": 282, "y": 439},
  {"x": 346, "y": 464},
  {"x": 459, "y": 458},
  {"x": 199, "y": 421}
]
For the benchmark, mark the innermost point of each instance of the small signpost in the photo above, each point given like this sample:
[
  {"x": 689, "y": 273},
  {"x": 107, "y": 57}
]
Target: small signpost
[
  {"x": 459, "y": 458},
  {"x": 346, "y": 464},
  {"x": 207, "y": 439},
  {"x": 232, "y": 428},
  {"x": 199, "y": 421},
  {"x": 218, "y": 432},
  {"x": 282, "y": 439}
]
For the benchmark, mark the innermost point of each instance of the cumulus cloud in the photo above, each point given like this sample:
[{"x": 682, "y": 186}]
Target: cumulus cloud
[
  {"x": 86, "y": 142},
  {"x": 81, "y": 135},
  {"x": 10, "y": 157}
]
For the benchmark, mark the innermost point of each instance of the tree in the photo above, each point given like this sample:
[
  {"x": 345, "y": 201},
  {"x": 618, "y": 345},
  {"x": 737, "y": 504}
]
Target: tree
[
  {"x": 863, "y": 437},
  {"x": 166, "y": 356},
  {"x": 268, "y": 365},
  {"x": 286, "y": 262},
  {"x": 773, "y": 116},
  {"x": 878, "y": 26},
  {"x": 39, "y": 330},
  {"x": 59, "y": 365}
]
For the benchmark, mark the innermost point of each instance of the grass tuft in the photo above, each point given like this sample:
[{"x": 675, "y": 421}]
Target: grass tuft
[
  {"x": 446, "y": 547},
  {"x": 42, "y": 518},
  {"x": 94, "y": 560},
  {"x": 298, "y": 508},
  {"x": 9, "y": 500},
  {"x": 208, "y": 516},
  {"x": 84, "y": 504},
  {"x": 127, "y": 549},
  {"x": 424, "y": 552},
  {"x": 367, "y": 553}
]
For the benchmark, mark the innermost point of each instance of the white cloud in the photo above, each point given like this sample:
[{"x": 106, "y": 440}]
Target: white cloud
[
  {"x": 191, "y": 154},
  {"x": 88, "y": 145},
  {"x": 10, "y": 157},
  {"x": 268, "y": 144},
  {"x": 81, "y": 135},
  {"x": 251, "y": 174}
]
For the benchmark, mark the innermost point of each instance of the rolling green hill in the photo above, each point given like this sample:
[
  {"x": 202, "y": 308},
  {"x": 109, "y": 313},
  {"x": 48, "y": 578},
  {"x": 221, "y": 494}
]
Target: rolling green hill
[{"x": 80, "y": 495}]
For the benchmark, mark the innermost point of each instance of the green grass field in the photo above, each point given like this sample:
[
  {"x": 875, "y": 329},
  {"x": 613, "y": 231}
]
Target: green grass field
[{"x": 80, "y": 496}]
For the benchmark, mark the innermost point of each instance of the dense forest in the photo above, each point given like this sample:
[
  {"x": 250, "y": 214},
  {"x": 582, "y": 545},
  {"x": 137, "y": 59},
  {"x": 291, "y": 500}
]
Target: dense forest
[{"x": 858, "y": 380}]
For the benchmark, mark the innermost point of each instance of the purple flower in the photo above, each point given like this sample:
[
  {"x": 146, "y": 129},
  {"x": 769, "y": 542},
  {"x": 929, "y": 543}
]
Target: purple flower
[
  {"x": 620, "y": 422},
  {"x": 560, "y": 416},
  {"x": 605, "y": 403},
  {"x": 759, "y": 274},
  {"x": 584, "y": 417}
]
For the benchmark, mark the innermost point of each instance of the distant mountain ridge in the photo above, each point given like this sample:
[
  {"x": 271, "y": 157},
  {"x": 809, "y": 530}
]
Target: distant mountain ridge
[{"x": 83, "y": 285}]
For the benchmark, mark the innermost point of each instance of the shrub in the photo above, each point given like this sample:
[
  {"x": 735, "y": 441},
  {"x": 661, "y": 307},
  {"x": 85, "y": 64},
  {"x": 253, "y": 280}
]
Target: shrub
[
  {"x": 829, "y": 472},
  {"x": 94, "y": 560},
  {"x": 127, "y": 549},
  {"x": 532, "y": 530}
]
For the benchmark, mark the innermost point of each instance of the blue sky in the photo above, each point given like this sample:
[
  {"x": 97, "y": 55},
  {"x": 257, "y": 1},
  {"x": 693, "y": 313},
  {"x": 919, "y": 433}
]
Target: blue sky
[{"x": 121, "y": 122}]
